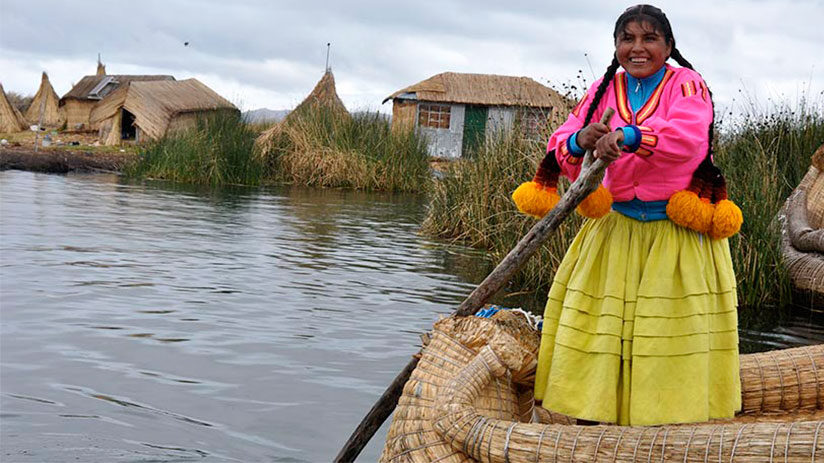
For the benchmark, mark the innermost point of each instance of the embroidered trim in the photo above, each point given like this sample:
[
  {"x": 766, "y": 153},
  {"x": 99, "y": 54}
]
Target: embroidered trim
[
  {"x": 652, "y": 104},
  {"x": 643, "y": 152},
  {"x": 688, "y": 89},
  {"x": 580, "y": 106},
  {"x": 621, "y": 97},
  {"x": 649, "y": 140}
]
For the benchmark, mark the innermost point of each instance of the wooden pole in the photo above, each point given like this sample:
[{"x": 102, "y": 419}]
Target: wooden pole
[{"x": 592, "y": 173}]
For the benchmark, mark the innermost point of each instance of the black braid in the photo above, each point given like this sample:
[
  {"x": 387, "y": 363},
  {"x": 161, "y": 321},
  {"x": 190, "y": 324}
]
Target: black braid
[{"x": 613, "y": 66}]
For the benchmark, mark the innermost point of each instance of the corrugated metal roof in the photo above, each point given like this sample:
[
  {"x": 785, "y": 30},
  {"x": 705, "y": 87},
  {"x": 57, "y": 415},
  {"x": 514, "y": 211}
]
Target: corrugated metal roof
[{"x": 84, "y": 89}]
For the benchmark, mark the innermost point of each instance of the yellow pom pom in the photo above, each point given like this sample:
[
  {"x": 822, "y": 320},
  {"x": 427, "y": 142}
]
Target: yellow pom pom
[
  {"x": 535, "y": 200},
  {"x": 686, "y": 209},
  {"x": 727, "y": 219},
  {"x": 597, "y": 204}
]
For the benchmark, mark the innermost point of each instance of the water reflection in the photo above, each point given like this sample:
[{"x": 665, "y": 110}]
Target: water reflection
[{"x": 163, "y": 322}]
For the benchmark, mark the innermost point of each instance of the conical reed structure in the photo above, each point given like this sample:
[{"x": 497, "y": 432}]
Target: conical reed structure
[
  {"x": 10, "y": 118},
  {"x": 47, "y": 101}
]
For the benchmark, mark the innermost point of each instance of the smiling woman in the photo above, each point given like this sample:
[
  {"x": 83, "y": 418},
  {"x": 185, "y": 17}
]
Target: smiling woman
[{"x": 640, "y": 325}]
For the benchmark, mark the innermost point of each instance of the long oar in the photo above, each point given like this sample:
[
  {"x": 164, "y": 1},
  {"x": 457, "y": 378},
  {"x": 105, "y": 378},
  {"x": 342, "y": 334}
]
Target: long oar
[{"x": 591, "y": 174}]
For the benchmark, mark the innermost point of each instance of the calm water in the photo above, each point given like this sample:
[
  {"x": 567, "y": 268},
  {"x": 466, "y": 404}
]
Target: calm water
[{"x": 153, "y": 322}]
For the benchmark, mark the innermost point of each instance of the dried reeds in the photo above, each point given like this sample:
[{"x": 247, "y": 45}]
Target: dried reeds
[
  {"x": 10, "y": 118},
  {"x": 44, "y": 109},
  {"x": 467, "y": 401}
]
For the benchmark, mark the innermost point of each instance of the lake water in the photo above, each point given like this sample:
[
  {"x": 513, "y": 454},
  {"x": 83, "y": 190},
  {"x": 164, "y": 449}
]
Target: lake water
[{"x": 155, "y": 322}]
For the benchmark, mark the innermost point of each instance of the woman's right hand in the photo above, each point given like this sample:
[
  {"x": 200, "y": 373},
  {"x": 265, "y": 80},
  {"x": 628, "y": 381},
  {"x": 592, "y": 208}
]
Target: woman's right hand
[{"x": 590, "y": 134}]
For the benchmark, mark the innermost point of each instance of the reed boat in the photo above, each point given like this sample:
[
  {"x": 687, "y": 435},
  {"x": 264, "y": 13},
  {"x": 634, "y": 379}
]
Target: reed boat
[
  {"x": 470, "y": 400},
  {"x": 802, "y": 233}
]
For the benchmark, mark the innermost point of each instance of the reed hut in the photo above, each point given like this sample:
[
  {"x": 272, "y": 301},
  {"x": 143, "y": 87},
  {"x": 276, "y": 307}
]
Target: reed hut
[
  {"x": 78, "y": 103},
  {"x": 10, "y": 118},
  {"x": 323, "y": 96},
  {"x": 148, "y": 110},
  {"x": 456, "y": 111},
  {"x": 46, "y": 102}
]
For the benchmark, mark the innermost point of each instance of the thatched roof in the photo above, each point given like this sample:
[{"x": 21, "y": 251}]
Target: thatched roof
[
  {"x": 97, "y": 87},
  {"x": 481, "y": 89},
  {"x": 46, "y": 98},
  {"x": 10, "y": 118},
  {"x": 155, "y": 103},
  {"x": 323, "y": 95}
]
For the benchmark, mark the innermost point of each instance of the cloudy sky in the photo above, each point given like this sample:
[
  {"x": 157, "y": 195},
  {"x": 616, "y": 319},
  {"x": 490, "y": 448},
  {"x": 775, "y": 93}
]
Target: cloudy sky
[{"x": 271, "y": 53}]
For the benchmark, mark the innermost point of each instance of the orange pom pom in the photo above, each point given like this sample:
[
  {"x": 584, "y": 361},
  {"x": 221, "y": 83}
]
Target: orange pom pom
[
  {"x": 727, "y": 220},
  {"x": 535, "y": 200},
  {"x": 597, "y": 204},
  {"x": 686, "y": 209}
]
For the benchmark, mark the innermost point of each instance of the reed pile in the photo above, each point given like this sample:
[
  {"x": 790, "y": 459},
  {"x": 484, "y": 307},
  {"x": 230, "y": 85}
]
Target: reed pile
[{"x": 326, "y": 148}]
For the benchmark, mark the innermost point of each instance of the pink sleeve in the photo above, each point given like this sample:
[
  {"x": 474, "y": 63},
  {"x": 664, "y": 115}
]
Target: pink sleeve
[
  {"x": 571, "y": 165},
  {"x": 678, "y": 136}
]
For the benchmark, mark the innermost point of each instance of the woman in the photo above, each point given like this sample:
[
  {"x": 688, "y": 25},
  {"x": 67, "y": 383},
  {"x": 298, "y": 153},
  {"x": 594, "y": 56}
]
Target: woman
[{"x": 640, "y": 326}]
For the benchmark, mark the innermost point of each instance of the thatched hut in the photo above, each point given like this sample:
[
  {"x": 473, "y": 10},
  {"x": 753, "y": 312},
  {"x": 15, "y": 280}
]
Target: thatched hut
[
  {"x": 148, "y": 110},
  {"x": 10, "y": 118},
  {"x": 44, "y": 108},
  {"x": 323, "y": 96},
  {"x": 77, "y": 104},
  {"x": 457, "y": 110}
]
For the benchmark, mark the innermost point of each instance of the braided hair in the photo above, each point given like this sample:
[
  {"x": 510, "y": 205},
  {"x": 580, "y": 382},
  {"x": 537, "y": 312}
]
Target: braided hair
[{"x": 658, "y": 20}]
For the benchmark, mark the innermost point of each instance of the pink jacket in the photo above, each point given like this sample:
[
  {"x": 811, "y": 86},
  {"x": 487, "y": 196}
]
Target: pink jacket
[{"x": 673, "y": 125}]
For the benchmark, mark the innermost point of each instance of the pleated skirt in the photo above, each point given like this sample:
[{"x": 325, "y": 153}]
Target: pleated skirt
[{"x": 640, "y": 326}]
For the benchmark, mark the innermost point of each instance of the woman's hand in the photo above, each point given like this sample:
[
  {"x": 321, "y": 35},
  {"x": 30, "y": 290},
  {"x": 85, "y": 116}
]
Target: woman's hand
[
  {"x": 608, "y": 147},
  {"x": 590, "y": 134}
]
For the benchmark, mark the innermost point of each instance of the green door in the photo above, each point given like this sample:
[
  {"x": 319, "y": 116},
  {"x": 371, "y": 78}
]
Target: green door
[{"x": 474, "y": 128}]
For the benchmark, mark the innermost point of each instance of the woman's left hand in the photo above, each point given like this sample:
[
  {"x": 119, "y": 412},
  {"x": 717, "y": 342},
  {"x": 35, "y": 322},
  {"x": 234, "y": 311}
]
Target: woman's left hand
[{"x": 608, "y": 147}]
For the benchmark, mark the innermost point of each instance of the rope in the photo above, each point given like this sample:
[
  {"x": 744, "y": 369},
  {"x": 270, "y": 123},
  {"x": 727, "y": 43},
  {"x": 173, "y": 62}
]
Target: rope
[
  {"x": 735, "y": 444},
  {"x": 557, "y": 439},
  {"x": 618, "y": 444},
  {"x": 598, "y": 444},
  {"x": 772, "y": 446},
  {"x": 797, "y": 376},
  {"x": 817, "y": 383},
  {"x": 575, "y": 444},
  {"x": 761, "y": 380},
  {"x": 540, "y": 441},
  {"x": 637, "y": 443},
  {"x": 664, "y": 443},
  {"x": 721, "y": 443},
  {"x": 506, "y": 442},
  {"x": 689, "y": 441},
  {"x": 780, "y": 379},
  {"x": 489, "y": 447},
  {"x": 815, "y": 439},
  {"x": 709, "y": 443},
  {"x": 652, "y": 445},
  {"x": 787, "y": 444}
]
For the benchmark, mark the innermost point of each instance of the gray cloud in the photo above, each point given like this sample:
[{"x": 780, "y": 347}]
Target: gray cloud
[{"x": 271, "y": 53}]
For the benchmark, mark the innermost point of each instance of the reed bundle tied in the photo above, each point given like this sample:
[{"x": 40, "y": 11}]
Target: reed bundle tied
[{"x": 470, "y": 399}]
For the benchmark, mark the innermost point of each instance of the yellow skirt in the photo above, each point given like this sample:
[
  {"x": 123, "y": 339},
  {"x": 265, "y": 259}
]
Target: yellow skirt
[{"x": 640, "y": 326}]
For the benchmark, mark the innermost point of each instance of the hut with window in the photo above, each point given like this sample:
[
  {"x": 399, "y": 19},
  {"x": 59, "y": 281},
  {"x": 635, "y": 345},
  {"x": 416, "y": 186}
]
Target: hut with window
[
  {"x": 78, "y": 103},
  {"x": 457, "y": 111},
  {"x": 10, "y": 118},
  {"x": 148, "y": 110},
  {"x": 44, "y": 109}
]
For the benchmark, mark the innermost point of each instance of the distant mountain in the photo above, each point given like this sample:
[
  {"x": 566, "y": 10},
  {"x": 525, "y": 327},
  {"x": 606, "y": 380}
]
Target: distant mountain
[{"x": 261, "y": 115}]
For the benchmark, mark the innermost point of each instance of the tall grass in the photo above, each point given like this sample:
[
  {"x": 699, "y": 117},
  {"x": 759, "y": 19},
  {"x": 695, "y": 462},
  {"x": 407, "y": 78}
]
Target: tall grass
[
  {"x": 217, "y": 151},
  {"x": 471, "y": 204},
  {"x": 763, "y": 155},
  {"x": 326, "y": 148}
]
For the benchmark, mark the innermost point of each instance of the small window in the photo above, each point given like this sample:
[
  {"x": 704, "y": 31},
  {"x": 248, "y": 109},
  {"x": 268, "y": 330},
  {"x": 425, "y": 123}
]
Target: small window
[
  {"x": 433, "y": 115},
  {"x": 533, "y": 122}
]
